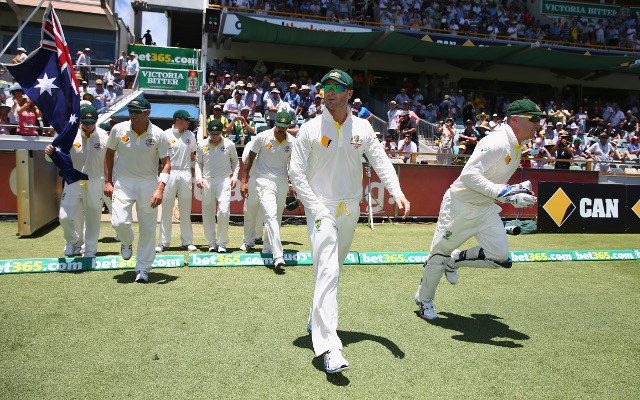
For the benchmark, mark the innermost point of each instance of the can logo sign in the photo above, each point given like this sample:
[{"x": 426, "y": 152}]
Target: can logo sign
[
  {"x": 559, "y": 207},
  {"x": 192, "y": 81}
]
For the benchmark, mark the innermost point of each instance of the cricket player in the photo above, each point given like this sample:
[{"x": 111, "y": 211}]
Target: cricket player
[
  {"x": 274, "y": 150},
  {"x": 133, "y": 178},
  {"x": 217, "y": 170},
  {"x": 81, "y": 203},
  {"x": 182, "y": 148},
  {"x": 326, "y": 172},
  {"x": 468, "y": 208},
  {"x": 253, "y": 212}
]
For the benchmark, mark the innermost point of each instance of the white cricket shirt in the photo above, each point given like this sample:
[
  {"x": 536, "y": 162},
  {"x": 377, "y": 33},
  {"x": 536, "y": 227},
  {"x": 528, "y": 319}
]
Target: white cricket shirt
[
  {"x": 494, "y": 160},
  {"x": 181, "y": 146},
  {"x": 326, "y": 165},
  {"x": 87, "y": 155},
  {"x": 217, "y": 161},
  {"x": 273, "y": 157},
  {"x": 137, "y": 156}
]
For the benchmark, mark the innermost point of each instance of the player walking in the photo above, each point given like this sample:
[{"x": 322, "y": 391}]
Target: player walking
[
  {"x": 182, "y": 147},
  {"x": 468, "y": 208},
  {"x": 274, "y": 150},
  {"x": 134, "y": 179},
  {"x": 81, "y": 203},
  {"x": 216, "y": 174},
  {"x": 326, "y": 172}
]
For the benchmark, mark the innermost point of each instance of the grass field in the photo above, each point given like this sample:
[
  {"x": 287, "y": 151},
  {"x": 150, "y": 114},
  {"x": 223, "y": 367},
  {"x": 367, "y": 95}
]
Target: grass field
[{"x": 538, "y": 331}]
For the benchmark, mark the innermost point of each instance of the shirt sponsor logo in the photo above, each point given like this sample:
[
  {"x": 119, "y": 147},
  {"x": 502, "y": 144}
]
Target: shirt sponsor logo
[
  {"x": 325, "y": 141},
  {"x": 171, "y": 142},
  {"x": 77, "y": 145},
  {"x": 125, "y": 139},
  {"x": 269, "y": 145}
]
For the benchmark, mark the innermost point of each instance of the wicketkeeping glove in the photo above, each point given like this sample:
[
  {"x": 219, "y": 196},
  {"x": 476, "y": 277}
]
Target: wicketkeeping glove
[{"x": 519, "y": 196}]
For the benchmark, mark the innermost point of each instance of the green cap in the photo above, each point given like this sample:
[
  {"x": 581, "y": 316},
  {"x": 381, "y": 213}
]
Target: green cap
[
  {"x": 87, "y": 95},
  {"x": 88, "y": 115},
  {"x": 214, "y": 127},
  {"x": 524, "y": 106},
  {"x": 283, "y": 119},
  {"x": 140, "y": 103},
  {"x": 577, "y": 140},
  {"x": 182, "y": 114},
  {"x": 106, "y": 126},
  {"x": 262, "y": 129},
  {"x": 338, "y": 76}
]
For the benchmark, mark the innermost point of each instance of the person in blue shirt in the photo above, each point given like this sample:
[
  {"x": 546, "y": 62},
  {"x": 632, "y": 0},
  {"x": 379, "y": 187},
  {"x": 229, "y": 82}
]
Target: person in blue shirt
[
  {"x": 101, "y": 97},
  {"x": 293, "y": 98},
  {"x": 363, "y": 112}
]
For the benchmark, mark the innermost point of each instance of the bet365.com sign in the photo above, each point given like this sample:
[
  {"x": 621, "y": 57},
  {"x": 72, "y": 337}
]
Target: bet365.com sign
[{"x": 585, "y": 207}]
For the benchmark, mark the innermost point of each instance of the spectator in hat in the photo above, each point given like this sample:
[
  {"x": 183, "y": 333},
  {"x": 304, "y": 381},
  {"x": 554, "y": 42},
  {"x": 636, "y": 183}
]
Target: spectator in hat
[
  {"x": 22, "y": 55},
  {"x": 241, "y": 127},
  {"x": 110, "y": 90},
  {"x": 147, "y": 39},
  {"x": 448, "y": 133},
  {"x": 445, "y": 107},
  {"x": 578, "y": 149},
  {"x": 272, "y": 105},
  {"x": 431, "y": 114},
  {"x": 28, "y": 115},
  {"x": 390, "y": 145},
  {"x": 317, "y": 108},
  {"x": 121, "y": 64},
  {"x": 87, "y": 100},
  {"x": 495, "y": 121},
  {"x": 84, "y": 87},
  {"x": 633, "y": 151},
  {"x": 630, "y": 125},
  {"x": 118, "y": 83},
  {"x": 416, "y": 98},
  {"x": 407, "y": 146},
  {"x": 393, "y": 118},
  {"x": 4, "y": 119},
  {"x": 132, "y": 68},
  {"x": 362, "y": 111},
  {"x": 469, "y": 137},
  {"x": 483, "y": 130},
  {"x": 100, "y": 96},
  {"x": 225, "y": 95},
  {"x": 408, "y": 126},
  {"x": 602, "y": 151},
  {"x": 14, "y": 102},
  {"x": 83, "y": 63},
  {"x": 306, "y": 99},
  {"x": 617, "y": 116},
  {"x": 109, "y": 76},
  {"x": 232, "y": 106},
  {"x": 402, "y": 97},
  {"x": 211, "y": 92},
  {"x": 218, "y": 116},
  {"x": 293, "y": 98}
]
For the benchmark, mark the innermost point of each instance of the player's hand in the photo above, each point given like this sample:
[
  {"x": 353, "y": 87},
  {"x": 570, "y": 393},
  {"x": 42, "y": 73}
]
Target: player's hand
[
  {"x": 519, "y": 196},
  {"x": 403, "y": 204},
  {"x": 244, "y": 189},
  {"x": 108, "y": 189},
  {"x": 233, "y": 183},
  {"x": 200, "y": 183},
  {"x": 49, "y": 150},
  {"x": 156, "y": 198}
]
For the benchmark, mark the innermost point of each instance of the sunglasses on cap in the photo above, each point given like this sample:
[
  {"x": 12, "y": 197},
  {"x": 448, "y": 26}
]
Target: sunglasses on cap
[
  {"x": 136, "y": 111},
  {"x": 533, "y": 118},
  {"x": 335, "y": 88}
]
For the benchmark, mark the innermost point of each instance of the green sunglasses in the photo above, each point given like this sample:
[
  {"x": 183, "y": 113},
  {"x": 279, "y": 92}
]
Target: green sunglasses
[
  {"x": 533, "y": 118},
  {"x": 136, "y": 111},
  {"x": 335, "y": 88}
]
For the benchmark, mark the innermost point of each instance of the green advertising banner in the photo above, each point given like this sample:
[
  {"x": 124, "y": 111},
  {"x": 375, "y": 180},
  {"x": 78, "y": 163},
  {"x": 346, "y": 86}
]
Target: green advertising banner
[
  {"x": 252, "y": 259},
  {"x": 589, "y": 10},
  {"x": 575, "y": 255},
  {"x": 166, "y": 57},
  {"x": 393, "y": 258},
  {"x": 169, "y": 79},
  {"x": 83, "y": 264}
]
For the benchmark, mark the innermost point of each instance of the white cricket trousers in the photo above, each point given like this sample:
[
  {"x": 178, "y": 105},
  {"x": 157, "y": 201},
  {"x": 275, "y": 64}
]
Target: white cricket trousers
[
  {"x": 80, "y": 210},
  {"x": 180, "y": 184},
  {"x": 125, "y": 193},
  {"x": 253, "y": 216},
  {"x": 273, "y": 196},
  {"x": 330, "y": 243},
  {"x": 216, "y": 189},
  {"x": 457, "y": 223}
]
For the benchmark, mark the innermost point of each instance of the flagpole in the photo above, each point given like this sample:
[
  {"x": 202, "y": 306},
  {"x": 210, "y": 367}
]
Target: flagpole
[{"x": 21, "y": 28}]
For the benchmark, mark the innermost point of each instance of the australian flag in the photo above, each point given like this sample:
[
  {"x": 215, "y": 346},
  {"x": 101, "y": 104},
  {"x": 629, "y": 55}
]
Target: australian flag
[{"x": 47, "y": 77}]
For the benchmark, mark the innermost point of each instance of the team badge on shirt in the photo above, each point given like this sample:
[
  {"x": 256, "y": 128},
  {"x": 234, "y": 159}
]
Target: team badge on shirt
[
  {"x": 97, "y": 146},
  {"x": 287, "y": 148},
  {"x": 206, "y": 149},
  {"x": 188, "y": 141},
  {"x": 448, "y": 234},
  {"x": 149, "y": 142},
  {"x": 77, "y": 145},
  {"x": 125, "y": 139},
  {"x": 318, "y": 224},
  {"x": 355, "y": 141}
]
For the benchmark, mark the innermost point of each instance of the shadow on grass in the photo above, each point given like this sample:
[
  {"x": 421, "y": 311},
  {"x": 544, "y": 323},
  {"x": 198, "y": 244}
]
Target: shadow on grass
[
  {"x": 154, "y": 277},
  {"x": 108, "y": 240},
  {"x": 480, "y": 328},
  {"x": 43, "y": 231},
  {"x": 347, "y": 338}
]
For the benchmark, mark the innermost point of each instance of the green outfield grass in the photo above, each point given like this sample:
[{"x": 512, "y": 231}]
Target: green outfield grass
[{"x": 538, "y": 331}]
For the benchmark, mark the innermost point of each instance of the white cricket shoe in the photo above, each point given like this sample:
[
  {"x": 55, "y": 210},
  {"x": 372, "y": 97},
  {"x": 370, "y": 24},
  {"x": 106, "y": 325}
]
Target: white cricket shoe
[
  {"x": 189, "y": 247},
  {"x": 117, "y": 238},
  {"x": 222, "y": 249},
  {"x": 334, "y": 362},
  {"x": 142, "y": 276},
  {"x": 68, "y": 250},
  {"x": 161, "y": 248},
  {"x": 426, "y": 307},
  {"x": 451, "y": 272},
  {"x": 213, "y": 249},
  {"x": 246, "y": 246},
  {"x": 126, "y": 251},
  {"x": 77, "y": 251},
  {"x": 279, "y": 262}
]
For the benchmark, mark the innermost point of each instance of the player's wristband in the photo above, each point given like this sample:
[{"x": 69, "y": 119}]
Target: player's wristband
[{"x": 164, "y": 177}]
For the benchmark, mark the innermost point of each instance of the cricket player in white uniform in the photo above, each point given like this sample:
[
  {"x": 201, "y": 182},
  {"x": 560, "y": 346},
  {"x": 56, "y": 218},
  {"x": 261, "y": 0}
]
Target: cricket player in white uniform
[
  {"x": 252, "y": 210},
  {"x": 134, "y": 179},
  {"x": 81, "y": 203},
  {"x": 274, "y": 150},
  {"x": 217, "y": 170},
  {"x": 182, "y": 148},
  {"x": 326, "y": 172},
  {"x": 468, "y": 208}
]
